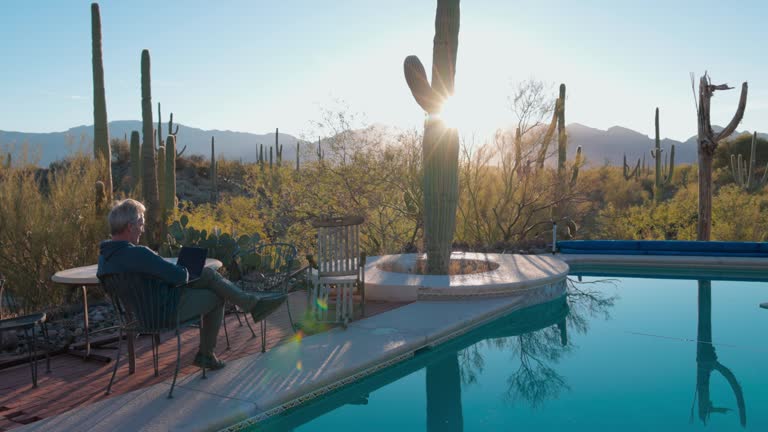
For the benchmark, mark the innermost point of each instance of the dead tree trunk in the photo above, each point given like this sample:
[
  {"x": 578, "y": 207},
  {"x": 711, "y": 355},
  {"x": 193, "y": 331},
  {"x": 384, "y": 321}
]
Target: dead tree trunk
[{"x": 707, "y": 143}]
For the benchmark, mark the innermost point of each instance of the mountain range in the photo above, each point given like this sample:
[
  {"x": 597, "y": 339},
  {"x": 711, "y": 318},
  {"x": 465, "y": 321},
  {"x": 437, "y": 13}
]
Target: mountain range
[
  {"x": 599, "y": 146},
  {"x": 229, "y": 144}
]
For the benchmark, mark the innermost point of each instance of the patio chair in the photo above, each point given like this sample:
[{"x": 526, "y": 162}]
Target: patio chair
[
  {"x": 266, "y": 269},
  {"x": 340, "y": 269},
  {"x": 14, "y": 317},
  {"x": 146, "y": 305}
]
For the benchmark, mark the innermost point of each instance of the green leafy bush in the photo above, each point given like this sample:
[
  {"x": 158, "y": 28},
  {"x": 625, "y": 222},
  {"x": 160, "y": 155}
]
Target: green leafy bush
[{"x": 49, "y": 222}]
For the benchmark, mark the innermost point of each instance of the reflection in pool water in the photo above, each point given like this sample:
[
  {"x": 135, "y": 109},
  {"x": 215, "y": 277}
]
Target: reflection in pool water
[
  {"x": 706, "y": 361},
  {"x": 612, "y": 354}
]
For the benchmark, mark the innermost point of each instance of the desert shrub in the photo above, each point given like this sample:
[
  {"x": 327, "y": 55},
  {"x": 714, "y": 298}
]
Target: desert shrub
[
  {"x": 121, "y": 151},
  {"x": 46, "y": 229},
  {"x": 739, "y": 216},
  {"x": 736, "y": 216}
]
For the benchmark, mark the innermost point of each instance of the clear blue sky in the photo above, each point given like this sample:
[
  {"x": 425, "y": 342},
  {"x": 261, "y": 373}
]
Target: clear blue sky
[{"x": 251, "y": 65}]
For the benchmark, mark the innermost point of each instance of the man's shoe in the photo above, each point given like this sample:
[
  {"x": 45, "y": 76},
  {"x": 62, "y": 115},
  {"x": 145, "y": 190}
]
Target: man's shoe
[
  {"x": 208, "y": 361},
  {"x": 266, "y": 305}
]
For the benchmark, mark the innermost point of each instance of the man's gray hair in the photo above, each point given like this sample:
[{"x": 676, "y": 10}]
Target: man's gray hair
[{"x": 123, "y": 213}]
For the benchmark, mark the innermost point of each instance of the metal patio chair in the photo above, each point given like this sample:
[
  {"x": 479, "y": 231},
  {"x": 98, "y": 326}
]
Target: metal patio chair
[
  {"x": 14, "y": 316},
  {"x": 340, "y": 269},
  {"x": 146, "y": 305},
  {"x": 266, "y": 269}
]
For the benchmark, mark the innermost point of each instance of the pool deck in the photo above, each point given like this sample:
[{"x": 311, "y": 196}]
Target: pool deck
[
  {"x": 255, "y": 387},
  {"x": 74, "y": 383}
]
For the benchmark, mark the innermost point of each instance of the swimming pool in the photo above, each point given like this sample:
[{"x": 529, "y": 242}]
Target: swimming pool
[{"x": 614, "y": 354}]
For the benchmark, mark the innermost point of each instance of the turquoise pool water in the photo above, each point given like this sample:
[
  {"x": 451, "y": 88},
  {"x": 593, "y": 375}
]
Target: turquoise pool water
[{"x": 627, "y": 353}]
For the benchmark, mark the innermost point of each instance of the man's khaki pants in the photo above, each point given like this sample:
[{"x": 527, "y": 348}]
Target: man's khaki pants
[{"x": 206, "y": 297}]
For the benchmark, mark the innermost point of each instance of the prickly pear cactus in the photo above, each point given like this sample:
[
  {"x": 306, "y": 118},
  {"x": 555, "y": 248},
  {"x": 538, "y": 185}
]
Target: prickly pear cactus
[{"x": 440, "y": 146}]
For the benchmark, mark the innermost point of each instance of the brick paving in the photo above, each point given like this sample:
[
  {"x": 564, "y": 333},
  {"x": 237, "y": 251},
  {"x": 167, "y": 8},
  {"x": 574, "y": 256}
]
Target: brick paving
[{"x": 74, "y": 383}]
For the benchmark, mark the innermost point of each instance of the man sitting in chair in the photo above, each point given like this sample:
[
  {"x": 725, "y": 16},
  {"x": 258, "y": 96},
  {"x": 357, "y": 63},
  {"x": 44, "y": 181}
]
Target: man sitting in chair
[{"x": 204, "y": 296}]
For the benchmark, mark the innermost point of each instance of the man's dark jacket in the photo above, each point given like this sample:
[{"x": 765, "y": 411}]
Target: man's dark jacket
[{"x": 125, "y": 257}]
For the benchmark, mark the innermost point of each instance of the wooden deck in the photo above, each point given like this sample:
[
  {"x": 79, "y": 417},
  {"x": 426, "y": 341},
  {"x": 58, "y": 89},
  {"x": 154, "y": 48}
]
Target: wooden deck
[{"x": 74, "y": 383}]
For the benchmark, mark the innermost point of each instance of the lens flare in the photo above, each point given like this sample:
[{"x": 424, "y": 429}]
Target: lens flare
[
  {"x": 299, "y": 365},
  {"x": 322, "y": 304}
]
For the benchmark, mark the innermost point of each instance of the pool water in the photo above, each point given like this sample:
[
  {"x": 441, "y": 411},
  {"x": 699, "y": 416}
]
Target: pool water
[{"x": 630, "y": 354}]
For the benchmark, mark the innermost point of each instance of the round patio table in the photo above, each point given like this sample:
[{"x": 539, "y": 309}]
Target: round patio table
[{"x": 84, "y": 277}]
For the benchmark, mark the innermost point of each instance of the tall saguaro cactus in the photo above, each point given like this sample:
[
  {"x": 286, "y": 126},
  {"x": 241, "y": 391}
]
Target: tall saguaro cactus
[
  {"x": 170, "y": 174},
  {"x": 743, "y": 173},
  {"x": 101, "y": 150},
  {"x": 631, "y": 173},
  {"x": 440, "y": 145},
  {"x": 149, "y": 165},
  {"x": 278, "y": 149},
  {"x": 213, "y": 173},
  {"x": 320, "y": 152},
  {"x": 298, "y": 149},
  {"x": 161, "y": 180},
  {"x": 707, "y": 141},
  {"x": 663, "y": 172},
  {"x": 562, "y": 137},
  {"x": 135, "y": 159},
  {"x": 159, "y": 130},
  {"x": 564, "y": 186}
]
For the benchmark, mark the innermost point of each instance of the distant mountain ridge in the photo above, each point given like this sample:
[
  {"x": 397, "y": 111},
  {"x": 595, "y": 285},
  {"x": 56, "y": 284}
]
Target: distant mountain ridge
[
  {"x": 598, "y": 145},
  {"x": 230, "y": 144}
]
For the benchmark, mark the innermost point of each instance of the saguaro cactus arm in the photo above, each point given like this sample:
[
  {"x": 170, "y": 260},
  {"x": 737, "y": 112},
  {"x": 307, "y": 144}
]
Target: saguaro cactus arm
[
  {"x": 548, "y": 135},
  {"x": 416, "y": 78},
  {"x": 577, "y": 163},
  {"x": 708, "y": 138},
  {"x": 172, "y": 131}
]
